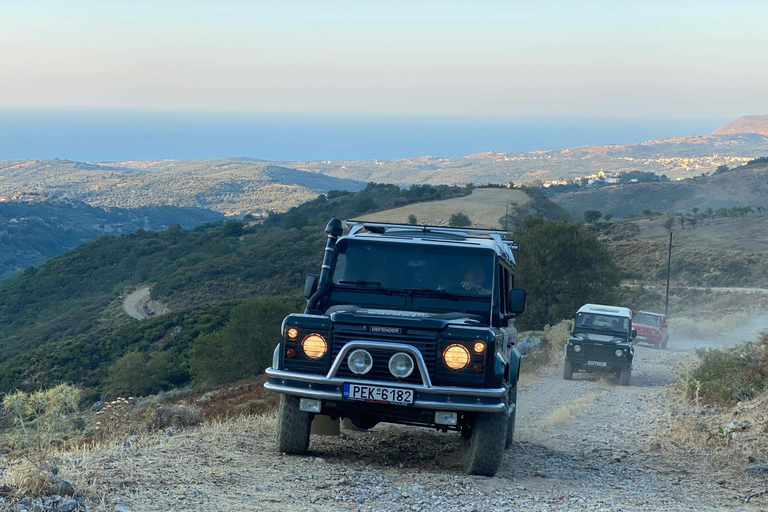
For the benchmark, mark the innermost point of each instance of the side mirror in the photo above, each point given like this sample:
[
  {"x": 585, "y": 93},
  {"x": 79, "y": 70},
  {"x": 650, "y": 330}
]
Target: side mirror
[
  {"x": 570, "y": 327},
  {"x": 634, "y": 333},
  {"x": 310, "y": 285},
  {"x": 516, "y": 300}
]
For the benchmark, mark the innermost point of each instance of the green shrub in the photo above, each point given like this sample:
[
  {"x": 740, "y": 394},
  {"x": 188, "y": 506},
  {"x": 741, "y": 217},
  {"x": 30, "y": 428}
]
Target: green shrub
[{"x": 726, "y": 376}]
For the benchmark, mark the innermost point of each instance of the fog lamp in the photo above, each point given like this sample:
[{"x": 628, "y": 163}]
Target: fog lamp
[
  {"x": 456, "y": 357},
  {"x": 314, "y": 346},
  {"x": 619, "y": 353},
  {"x": 292, "y": 333},
  {"x": 479, "y": 347},
  {"x": 577, "y": 348},
  {"x": 401, "y": 365},
  {"x": 360, "y": 362}
]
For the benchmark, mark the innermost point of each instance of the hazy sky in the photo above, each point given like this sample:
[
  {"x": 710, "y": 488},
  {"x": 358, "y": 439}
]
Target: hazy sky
[{"x": 550, "y": 58}]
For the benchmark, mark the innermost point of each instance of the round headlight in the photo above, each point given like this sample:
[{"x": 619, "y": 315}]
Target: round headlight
[
  {"x": 479, "y": 347},
  {"x": 618, "y": 352},
  {"x": 401, "y": 365},
  {"x": 456, "y": 357},
  {"x": 292, "y": 333},
  {"x": 577, "y": 348},
  {"x": 360, "y": 362},
  {"x": 314, "y": 346}
]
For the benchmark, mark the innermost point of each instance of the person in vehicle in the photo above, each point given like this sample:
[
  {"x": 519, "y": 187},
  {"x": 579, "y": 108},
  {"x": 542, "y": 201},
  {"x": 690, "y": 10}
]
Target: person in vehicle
[{"x": 474, "y": 279}]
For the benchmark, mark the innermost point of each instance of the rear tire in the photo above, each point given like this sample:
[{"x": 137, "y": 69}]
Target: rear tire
[
  {"x": 293, "y": 426},
  {"x": 511, "y": 420},
  {"x": 481, "y": 449},
  {"x": 568, "y": 370},
  {"x": 626, "y": 375}
]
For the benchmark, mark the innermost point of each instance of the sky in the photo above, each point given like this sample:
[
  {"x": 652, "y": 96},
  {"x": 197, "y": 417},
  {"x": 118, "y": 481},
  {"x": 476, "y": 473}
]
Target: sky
[{"x": 684, "y": 59}]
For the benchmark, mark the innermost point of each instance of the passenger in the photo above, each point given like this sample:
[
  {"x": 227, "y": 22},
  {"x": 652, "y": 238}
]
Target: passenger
[{"x": 474, "y": 279}]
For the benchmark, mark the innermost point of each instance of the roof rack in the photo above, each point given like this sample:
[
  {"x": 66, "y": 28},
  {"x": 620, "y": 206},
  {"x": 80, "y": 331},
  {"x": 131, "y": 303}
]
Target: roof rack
[{"x": 506, "y": 246}]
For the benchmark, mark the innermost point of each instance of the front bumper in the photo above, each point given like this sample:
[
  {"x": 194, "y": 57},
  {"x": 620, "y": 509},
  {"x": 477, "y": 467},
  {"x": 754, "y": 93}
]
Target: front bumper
[{"x": 322, "y": 387}]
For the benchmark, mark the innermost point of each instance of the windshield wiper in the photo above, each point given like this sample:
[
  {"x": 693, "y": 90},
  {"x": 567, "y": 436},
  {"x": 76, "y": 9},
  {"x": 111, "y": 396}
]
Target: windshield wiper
[
  {"x": 442, "y": 293},
  {"x": 362, "y": 283}
]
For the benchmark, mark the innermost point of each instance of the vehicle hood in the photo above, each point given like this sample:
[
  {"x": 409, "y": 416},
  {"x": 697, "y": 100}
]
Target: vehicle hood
[{"x": 400, "y": 318}]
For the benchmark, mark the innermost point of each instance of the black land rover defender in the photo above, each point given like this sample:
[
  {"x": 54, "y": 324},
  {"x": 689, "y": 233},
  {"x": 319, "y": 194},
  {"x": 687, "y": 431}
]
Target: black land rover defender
[
  {"x": 601, "y": 341},
  {"x": 406, "y": 324}
]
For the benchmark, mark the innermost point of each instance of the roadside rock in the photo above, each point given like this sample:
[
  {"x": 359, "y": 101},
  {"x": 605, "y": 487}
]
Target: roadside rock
[{"x": 760, "y": 469}]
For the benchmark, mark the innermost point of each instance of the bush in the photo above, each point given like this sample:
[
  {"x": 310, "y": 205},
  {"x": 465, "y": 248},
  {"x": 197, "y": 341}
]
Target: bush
[
  {"x": 459, "y": 220},
  {"x": 177, "y": 417},
  {"x": 38, "y": 417},
  {"x": 726, "y": 376}
]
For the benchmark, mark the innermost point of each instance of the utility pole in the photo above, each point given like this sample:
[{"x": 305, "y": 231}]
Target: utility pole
[
  {"x": 506, "y": 219},
  {"x": 669, "y": 266}
]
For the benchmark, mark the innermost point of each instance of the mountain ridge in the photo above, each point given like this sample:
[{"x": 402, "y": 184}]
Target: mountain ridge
[{"x": 745, "y": 124}]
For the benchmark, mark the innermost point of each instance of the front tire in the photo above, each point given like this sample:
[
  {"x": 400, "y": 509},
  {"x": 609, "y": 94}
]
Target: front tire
[
  {"x": 626, "y": 375},
  {"x": 511, "y": 420},
  {"x": 568, "y": 370},
  {"x": 293, "y": 426},
  {"x": 481, "y": 447}
]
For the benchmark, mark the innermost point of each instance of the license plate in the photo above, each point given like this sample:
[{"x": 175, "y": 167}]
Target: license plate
[
  {"x": 597, "y": 363},
  {"x": 377, "y": 394}
]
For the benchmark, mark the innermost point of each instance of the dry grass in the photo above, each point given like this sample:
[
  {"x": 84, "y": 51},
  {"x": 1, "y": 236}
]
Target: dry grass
[
  {"x": 177, "y": 417},
  {"x": 27, "y": 478},
  {"x": 553, "y": 340},
  {"x": 572, "y": 410},
  {"x": 484, "y": 206}
]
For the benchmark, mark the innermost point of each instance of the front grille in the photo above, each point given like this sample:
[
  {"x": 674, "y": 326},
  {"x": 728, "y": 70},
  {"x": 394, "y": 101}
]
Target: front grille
[{"x": 424, "y": 341}]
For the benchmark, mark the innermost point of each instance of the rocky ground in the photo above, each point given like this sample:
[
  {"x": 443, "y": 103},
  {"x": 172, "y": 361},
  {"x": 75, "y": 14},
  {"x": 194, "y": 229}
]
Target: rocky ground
[{"x": 586, "y": 444}]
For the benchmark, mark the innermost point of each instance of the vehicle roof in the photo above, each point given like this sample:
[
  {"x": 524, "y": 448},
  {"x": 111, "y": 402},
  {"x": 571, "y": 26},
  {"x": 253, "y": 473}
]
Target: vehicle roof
[
  {"x": 489, "y": 239},
  {"x": 600, "y": 309},
  {"x": 650, "y": 313}
]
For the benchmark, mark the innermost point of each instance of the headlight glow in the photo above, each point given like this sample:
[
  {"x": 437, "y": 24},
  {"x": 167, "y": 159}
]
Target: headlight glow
[
  {"x": 292, "y": 333},
  {"x": 456, "y": 357},
  {"x": 314, "y": 346},
  {"x": 479, "y": 347}
]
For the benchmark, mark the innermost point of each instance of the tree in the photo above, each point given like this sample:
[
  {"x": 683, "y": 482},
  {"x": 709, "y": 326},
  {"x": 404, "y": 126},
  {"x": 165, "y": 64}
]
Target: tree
[
  {"x": 592, "y": 216},
  {"x": 693, "y": 220},
  {"x": 243, "y": 348},
  {"x": 681, "y": 220},
  {"x": 721, "y": 169},
  {"x": 668, "y": 223},
  {"x": 459, "y": 220},
  {"x": 562, "y": 266},
  {"x": 608, "y": 217},
  {"x": 412, "y": 219}
]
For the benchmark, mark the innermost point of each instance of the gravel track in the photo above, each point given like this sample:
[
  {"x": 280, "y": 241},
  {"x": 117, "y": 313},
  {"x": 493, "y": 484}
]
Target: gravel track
[{"x": 585, "y": 444}]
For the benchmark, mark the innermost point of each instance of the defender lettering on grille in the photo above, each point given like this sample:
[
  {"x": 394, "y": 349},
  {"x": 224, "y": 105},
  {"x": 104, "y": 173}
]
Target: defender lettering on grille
[{"x": 386, "y": 330}]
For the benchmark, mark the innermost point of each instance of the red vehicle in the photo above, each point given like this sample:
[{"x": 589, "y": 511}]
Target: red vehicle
[{"x": 651, "y": 328}]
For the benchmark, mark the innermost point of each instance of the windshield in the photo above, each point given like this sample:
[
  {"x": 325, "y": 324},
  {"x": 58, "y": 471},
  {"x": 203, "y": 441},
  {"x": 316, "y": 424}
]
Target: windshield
[
  {"x": 646, "y": 319},
  {"x": 401, "y": 266},
  {"x": 592, "y": 321}
]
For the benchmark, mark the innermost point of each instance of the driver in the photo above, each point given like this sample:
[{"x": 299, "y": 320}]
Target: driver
[{"x": 474, "y": 279}]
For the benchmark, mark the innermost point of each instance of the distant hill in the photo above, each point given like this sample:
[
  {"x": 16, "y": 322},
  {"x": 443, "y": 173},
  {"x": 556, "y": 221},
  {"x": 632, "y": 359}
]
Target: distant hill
[
  {"x": 745, "y": 124},
  {"x": 742, "y": 186},
  {"x": 228, "y": 185},
  {"x": 40, "y": 228}
]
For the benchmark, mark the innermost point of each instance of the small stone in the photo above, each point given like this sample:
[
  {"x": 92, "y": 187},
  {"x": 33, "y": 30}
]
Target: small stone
[
  {"x": 67, "y": 505},
  {"x": 760, "y": 469},
  {"x": 62, "y": 487},
  {"x": 734, "y": 426},
  {"x": 540, "y": 474},
  {"x": 122, "y": 508},
  {"x": 169, "y": 432}
]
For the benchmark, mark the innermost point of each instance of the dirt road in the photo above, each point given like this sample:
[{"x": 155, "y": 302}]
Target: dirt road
[
  {"x": 139, "y": 304},
  {"x": 586, "y": 444}
]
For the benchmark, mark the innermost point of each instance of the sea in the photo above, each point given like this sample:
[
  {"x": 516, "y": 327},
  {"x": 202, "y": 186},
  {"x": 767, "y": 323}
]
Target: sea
[{"x": 115, "y": 135}]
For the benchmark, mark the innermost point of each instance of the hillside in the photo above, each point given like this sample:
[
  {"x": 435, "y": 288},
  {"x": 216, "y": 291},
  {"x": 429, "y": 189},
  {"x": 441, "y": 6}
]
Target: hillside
[
  {"x": 485, "y": 207},
  {"x": 64, "y": 317},
  {"x": 745, "y": 124},
  {"x": 34, "y": 231},
  {"x": 742, "y": 186},
  {"x": 227, "y": 185}
]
